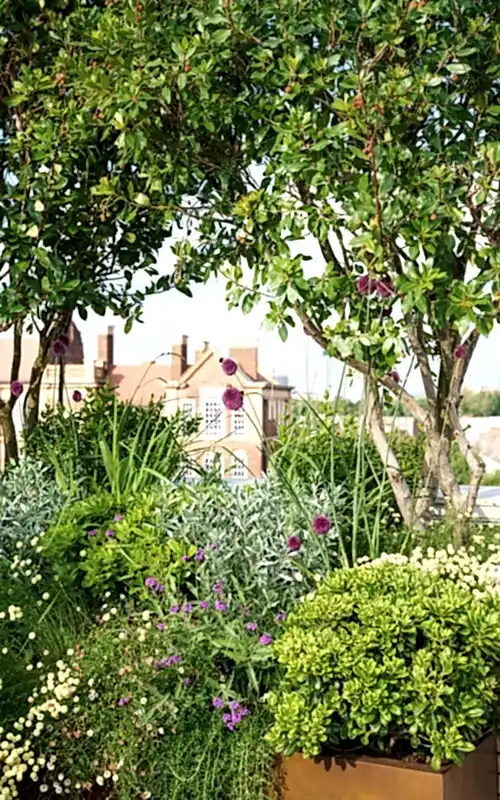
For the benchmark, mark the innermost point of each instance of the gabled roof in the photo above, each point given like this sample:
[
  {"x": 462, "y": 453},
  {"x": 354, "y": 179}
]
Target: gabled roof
[{"x": 206, "y": 355}]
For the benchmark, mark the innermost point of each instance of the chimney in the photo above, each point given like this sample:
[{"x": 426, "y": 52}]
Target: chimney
[
  {"x": 179, "y": 359},
  {"x": 105, "y": 348},
  {"x": 199, "y": 353},
  {"x": 248, "y": 359}
]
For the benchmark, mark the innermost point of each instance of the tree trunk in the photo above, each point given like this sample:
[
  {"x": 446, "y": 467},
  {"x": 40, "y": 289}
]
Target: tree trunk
[
  {"x": 9, "y": 434},
  {"x": 397, "y": 480},
  {"x": 32, "y": 401}
]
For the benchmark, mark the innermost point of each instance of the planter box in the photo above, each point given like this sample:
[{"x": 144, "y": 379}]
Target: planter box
[{"x": 387, "y": 779}]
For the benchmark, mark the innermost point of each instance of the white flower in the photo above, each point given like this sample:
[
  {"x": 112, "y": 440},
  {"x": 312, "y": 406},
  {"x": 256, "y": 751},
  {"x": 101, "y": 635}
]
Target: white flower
[{"x": 32, "y": 635}]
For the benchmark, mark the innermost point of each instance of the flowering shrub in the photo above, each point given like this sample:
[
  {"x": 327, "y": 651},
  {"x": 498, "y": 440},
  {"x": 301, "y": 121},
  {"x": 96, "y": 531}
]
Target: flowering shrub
[
  {"x": 390, "y": 660},
  {"x": 104, "y": 544}
]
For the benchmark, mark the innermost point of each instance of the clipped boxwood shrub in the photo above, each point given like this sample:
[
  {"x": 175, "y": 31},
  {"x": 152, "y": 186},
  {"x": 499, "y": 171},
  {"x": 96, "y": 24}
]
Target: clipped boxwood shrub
[{"x": 387, "y": 660}]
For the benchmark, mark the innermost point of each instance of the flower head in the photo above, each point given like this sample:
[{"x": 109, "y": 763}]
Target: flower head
[
  {"x": 384, "y": 288},
  {"x": 110, "y": 533},
  {"x": 218, "y": 587},
  {"x": 77, "y": 396},
  {"x": 232, "y": 398},
  {"x": 59, "y": 348},
  {"x": 187, "y": 608},
  {"x": 395, "y": 376},
  {"x": 203, "y": 605},
  {"x": 161, "y": 626},
  {"x": 16, "y": 388},
  {"x": 218, "y": 702},
  {"x": 251, "y": 626},
  {"x": 124, "y": 701},
  {"x": 265, "y": 639},
  {"x": 118, "y": 517},
  {"x": 174, "y": 609},
  {"x": 200, "y": 555},
  {"x": 294, "y": 544},
  {"x": 461, "y": 351},
  {"x": 150, "y": 582},
  {"x": 321, "y": 525},
  {"x": 93, "y": 532},
  {"x": 365, "y": 285},
  {"x": 159, "y": 588},
  {"x": 214, "y": 546},
  {"x": 184, "y": 558},
  {"x": 281, "y": 616},
  {"x": 220, "y": 605},
  {"x": 229, "y": 366}
]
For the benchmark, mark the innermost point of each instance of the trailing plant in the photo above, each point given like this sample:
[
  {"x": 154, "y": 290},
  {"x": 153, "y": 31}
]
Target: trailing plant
[{"x": 389, "y": 660}]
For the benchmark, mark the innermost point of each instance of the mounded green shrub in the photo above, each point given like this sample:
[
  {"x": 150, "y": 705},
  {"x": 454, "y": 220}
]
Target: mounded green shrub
[{"x": 387, "y": 660}]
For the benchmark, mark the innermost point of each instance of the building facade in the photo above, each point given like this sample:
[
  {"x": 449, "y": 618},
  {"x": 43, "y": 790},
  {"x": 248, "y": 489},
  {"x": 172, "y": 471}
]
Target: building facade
[{"x": 236, "y": 441}]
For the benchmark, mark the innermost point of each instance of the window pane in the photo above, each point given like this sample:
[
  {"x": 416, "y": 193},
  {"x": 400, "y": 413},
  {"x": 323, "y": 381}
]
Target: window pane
[
  {"x": 238, "y": 419},
  {"x": 213, "y": 418}
]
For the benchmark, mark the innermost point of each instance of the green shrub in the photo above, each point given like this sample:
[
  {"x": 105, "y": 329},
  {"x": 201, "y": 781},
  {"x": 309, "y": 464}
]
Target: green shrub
[
  {"x": 388, "y": 660},
  {"x": 111, "y": 444},
  {"x": 105, "y": 545}
]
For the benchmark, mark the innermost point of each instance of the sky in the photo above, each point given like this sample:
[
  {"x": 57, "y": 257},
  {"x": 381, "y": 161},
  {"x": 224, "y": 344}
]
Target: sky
[{"x": 205, "y": 317}]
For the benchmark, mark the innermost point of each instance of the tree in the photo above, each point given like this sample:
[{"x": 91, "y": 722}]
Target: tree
[
  {"x": 65, "y": 246},
  {"x": 369, "y": 128}
]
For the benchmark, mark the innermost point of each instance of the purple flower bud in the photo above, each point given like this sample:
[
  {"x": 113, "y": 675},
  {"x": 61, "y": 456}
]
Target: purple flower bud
[
  {"x": 159, "y": 588},
  {"x": 214, "y": 546},
  {"x": 161, "y": 626},
  {"x": 229, "y": 366},
  {"x": 200, "y": 555},
  {"x": 220, "y": 605},
  {"x": 77, "y": 396},
  {"x": 174, "y": 609},
  {"x": 218, "y": 587},
  {"x": 265, "y": 639},
  {"x": 365, "y": 285},
  {"x": 16, "y": 388},
  {"x": 93, "y": 532},
  {"x": 252, "y": 626},
  {"x": 294, "y": 544},
  {"x": 184, "y": 558},
  {"x": 218, "y": 702},
  {"x": 59, "y": 348},
  {"x": 203, "y": 605},
  {"x": 151, "y": 583},
  {"x": 281, "y": 616},
  {"x": 321, "y": 525},
  {"x": 461, "y": 352},
  {"x": 232, "y": 398},
  {"x": 187, "y": 608},
  {"x": 118, "y": 517},
  {"x": 124, "y": 701},
  {"x": 110, "y": 533}
]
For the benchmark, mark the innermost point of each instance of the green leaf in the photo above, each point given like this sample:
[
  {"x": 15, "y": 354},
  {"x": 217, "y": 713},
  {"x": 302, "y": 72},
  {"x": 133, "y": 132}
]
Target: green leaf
[
  {"x": 283, "y": 332},
  {"x": 33, "y": 231},
  {"x": 457, "y": 68},
  {"x": 142, "y": 199},
  {"x": 39, "y": 206},
  {"x": 220, "y": 36}
]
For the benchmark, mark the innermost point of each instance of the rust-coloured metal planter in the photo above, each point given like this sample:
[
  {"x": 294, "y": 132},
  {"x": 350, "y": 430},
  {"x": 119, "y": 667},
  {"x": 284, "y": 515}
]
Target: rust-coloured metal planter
[{"x": 387, "y": 779}]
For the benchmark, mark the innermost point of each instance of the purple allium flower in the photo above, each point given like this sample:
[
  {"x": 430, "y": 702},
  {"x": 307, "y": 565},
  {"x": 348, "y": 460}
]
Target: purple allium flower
[
  {"x": 93, "y": 532},
  {"x": 294, "y": 544},
  {"x": 203, "y": 605},
  {"x": 200, "y": 555},
  {"x": 281, "y": 616},
  {"x": 229, "y": 366},
  {"x": 251, "y": 626},
  {"x": 187, "y": 608},
  {"x": 159, "y": 588},
  {"x": 265, "y": 639},
  {"x": 77, "y": 396},
  {"x": 174, "y": 609},
  {"x": 218, "y": 587},
  {"x": 214, "y": 546},
  {"x": 220, "y": 605},
  {"x": 118, "y": 517},
  {"x": 461, "y": 352},
  {"x": 184, "y": 558},
  {"x": 16, "y": 388},
  {"x": 161, "y": 626},
  {"x": 218, "y": 702},
  {"x": 232, "y": 398},
  {"x": 395, "y": 376},
  {"x": 150, "y": 583},
  {"x": 365, "y": 285},
  {"x": 321, "y": 525},
  {"x": 384, "y": 288},
  {"x": 59, "y": 348},
  {"x": 124, "y": 701},
  {"x": 110, "y": 533}
]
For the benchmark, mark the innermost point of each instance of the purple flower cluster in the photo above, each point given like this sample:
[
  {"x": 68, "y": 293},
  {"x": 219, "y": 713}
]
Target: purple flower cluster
[
  {"x": 152, "y": 583},
  {"x": 220, "y": 605},
  {"x": 124, "y": 701},
  {"x": 234, "y": 716},
  {"x": 383, "y": 287},
  {"x": 229, "y": 366},
  {"x": 321, "y": 525},
  {"x": 167, "y": 661},
  {"x": 251, "y": 626},
  {"x": 265, "y": 639}
]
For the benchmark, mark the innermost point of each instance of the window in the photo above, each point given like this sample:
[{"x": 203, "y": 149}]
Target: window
[
  {"x": 187, "y": 408},
  {"x": 238, "y": 423},
  {"x": 240, "y": 468},
  {"x": 213, "y": 419},
  {"x": 211, "y": 460}
]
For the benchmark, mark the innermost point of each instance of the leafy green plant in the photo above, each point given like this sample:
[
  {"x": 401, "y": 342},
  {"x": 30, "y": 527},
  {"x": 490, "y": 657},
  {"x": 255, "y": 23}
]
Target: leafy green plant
[
  {"x": 111, "y": 444},
  {"x": 106, "y": 545},
  {"x": 389, "y": 660}
]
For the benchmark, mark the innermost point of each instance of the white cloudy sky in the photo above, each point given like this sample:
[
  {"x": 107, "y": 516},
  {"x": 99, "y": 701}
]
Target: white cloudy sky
[{"x": 206, "y": 317}]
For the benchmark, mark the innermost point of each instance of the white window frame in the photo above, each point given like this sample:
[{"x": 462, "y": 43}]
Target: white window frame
[
  {"x": 239, "y": 468},
  {"x": 187, "y": 406},
  {"x": 214, "y": 428},
  {"x": 238, "y": 431}
]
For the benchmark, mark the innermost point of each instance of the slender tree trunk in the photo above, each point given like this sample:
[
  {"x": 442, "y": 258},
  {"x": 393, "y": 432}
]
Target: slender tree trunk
[
  {"x": 60, "y": 393},
  {"x": 397, "y": 480},
  {"x": 9, "y": 433}
]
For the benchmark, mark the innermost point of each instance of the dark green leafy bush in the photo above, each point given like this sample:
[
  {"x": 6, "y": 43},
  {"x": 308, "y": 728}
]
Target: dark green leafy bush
[
  {"x": 388, "y": 660},
  {"x": 111, "y": 444}
]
